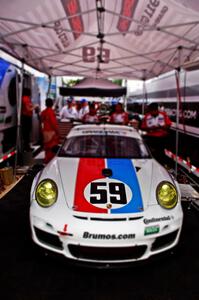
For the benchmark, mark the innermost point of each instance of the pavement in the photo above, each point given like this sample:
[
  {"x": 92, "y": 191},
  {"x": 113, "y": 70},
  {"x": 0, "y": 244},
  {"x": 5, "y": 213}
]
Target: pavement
[{"x": 26, "y": 274}]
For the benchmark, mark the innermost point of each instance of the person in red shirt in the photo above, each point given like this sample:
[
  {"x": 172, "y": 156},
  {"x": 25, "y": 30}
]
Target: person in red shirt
[
  {"x": 91, "y": 116},
  {"x": 119, "y": 116},
  {"x": 50, "y": 130},
  {"x": 156, "y": 124}
]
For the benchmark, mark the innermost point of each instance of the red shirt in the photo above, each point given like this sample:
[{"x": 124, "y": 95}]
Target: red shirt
[
  {"x": 87, "y": 118},
  {"x": 27, "y": 107},
  {"x": 49, "y": 123},
  {"x": 156, "y": 125},
  {"x": 119, "y": 118},
  {"x": 48, "y": 119}
]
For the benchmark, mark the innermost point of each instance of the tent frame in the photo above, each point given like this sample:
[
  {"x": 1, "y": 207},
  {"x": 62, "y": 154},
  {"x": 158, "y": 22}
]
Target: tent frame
[{"x": 100, "y": 38}]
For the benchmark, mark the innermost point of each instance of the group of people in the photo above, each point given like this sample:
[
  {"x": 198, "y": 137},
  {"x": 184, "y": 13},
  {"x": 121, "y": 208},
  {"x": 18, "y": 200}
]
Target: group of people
[
  {"x": 155, "y": 123},
  {"x": 88, "y": 113}
]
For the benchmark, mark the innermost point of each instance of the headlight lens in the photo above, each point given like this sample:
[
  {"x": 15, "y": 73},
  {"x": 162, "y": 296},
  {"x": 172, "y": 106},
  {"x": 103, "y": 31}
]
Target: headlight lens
[
  {"x": 46, "y": 193},
  {"x": 167, "y": 195}
]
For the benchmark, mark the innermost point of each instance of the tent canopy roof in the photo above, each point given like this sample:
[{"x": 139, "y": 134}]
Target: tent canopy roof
[
  {"x": 135, "y": 39},
  {"x": 94, "y": 87}
]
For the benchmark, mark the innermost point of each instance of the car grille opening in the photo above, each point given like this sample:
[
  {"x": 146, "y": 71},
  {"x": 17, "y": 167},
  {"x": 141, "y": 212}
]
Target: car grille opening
[
  {"x": 81, "y": 218},
  {"x": 164, "y": 240},
  {"x": 108, "y": 219},
  {"x": 48, "y": 238},
  {"x": 109, "y": 254}
]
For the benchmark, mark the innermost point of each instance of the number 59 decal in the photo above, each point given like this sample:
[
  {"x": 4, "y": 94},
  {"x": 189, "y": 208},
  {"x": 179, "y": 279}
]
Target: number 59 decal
[{"x": 108, "y": 191}]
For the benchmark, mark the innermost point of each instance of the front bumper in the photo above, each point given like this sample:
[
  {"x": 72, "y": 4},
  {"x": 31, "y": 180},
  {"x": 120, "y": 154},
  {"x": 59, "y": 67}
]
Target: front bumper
[{"x": 98, "y": 240}]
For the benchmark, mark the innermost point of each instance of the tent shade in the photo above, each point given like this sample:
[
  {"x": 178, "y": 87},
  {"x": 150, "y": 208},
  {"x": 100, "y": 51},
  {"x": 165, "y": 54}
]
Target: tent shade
[
  {"x": 92, "y": 92},
  {"x": 134, "y": 39},
  {"x": 94, "y": 88}
]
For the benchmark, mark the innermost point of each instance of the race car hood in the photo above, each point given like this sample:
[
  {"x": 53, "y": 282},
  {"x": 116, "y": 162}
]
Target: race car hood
[{"x": 98, "y": 185}]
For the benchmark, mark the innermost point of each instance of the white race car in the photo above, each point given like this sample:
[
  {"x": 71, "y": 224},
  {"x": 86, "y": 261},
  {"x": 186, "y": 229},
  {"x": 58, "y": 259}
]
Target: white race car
[{"x": 103, "y": 199}]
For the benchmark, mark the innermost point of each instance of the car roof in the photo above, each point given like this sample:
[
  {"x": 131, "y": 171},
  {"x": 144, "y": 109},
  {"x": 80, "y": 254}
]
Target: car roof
[{"x": 102, "y": 129}]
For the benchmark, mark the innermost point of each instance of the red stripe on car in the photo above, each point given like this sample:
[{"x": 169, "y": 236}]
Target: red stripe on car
[{"x": 89, "y": 169}]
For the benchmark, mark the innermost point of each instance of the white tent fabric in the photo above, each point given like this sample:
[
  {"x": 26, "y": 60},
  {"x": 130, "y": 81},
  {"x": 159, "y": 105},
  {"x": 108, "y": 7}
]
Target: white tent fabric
[{"x": 135, "y": 39}]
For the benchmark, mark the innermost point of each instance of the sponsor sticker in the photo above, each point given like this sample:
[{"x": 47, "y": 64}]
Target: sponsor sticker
[
  {"x": 151, "y": 230},
  {"x": 103, "y": 132},
  {"x": 161, "y": 219},
  {"x": 100, "y": 236}
]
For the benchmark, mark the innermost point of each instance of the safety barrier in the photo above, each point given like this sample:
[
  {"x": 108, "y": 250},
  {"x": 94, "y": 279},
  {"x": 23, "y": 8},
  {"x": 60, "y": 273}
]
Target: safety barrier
[
  {"x": 7, "y": 155},
  {"x": 184, "y": 163}
]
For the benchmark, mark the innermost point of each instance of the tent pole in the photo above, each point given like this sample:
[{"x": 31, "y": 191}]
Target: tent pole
[
  {"x": 19, "y": 104},
  {"x": 177, "y": 74},
  {"x": 49, "y": 85},
  {"x": 144, "y": 96},
  {"x": 124, "y": 96}
]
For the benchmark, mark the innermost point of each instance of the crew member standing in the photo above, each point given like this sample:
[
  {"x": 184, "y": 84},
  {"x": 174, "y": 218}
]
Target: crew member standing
[
  {"x": 91, "y": 116},
  {"x": 69, "y": 111},
  {"x": 119, "y": 116},
  {"x": 50, "y": 130},
  {"x": 156, "y": 124},
  {"x": 84, "y": 108}
]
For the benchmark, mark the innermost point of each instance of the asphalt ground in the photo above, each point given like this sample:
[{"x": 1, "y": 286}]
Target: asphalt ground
[{"x": 26, "y": 274}]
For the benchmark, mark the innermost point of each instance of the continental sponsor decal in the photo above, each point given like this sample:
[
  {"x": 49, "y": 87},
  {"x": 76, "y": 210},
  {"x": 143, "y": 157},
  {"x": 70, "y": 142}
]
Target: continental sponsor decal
[
  {"x": 100, "y": 236},
  {"x": 161, "y": 219},
  {"x": 61, "y": 34},
  {"x": 152, "y": 14}
]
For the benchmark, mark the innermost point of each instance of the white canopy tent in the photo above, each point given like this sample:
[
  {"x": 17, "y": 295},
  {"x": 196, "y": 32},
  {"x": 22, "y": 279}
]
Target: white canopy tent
[{"x": 137, "y": 39}]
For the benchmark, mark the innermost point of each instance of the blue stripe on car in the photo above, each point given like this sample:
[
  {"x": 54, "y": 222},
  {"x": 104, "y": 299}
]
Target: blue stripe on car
[{"x": 124, "y": 170}]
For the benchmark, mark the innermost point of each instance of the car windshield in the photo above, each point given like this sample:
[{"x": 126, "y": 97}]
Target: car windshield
[{"x": 110, "y": 146}]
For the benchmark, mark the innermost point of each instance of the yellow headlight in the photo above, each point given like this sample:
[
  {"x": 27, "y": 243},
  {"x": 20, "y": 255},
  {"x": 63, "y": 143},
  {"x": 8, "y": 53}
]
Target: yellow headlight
[
  {"x": 167, "y": 195},
  {"x": 46, "y": 193}
]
